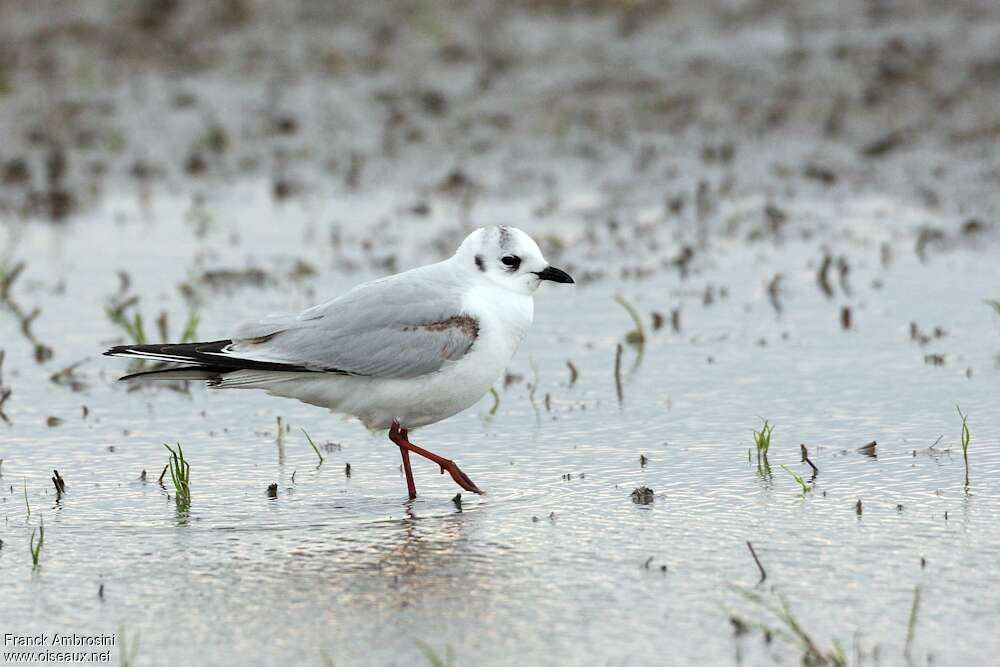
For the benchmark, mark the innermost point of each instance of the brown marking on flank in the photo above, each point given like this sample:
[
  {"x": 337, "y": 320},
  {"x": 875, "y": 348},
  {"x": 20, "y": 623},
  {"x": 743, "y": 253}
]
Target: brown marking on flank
[
  {"x": 467, "y": 325},
  {"x": 452, "y": 349}
]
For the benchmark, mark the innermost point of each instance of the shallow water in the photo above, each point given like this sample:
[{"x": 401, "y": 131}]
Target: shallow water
[
  {"x": 572, "y": 143},
  {"x": 541, "y": 567}
]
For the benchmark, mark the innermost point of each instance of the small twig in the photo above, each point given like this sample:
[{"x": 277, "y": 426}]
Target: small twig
[
  {"x": 281, "y": 440},
  {"x": 42, "y": 352},
  {"x": 4, "y": 391},
  {"x": 573, "y": 374},
  {"x": 911, "y": 626},
  {"x": 763, "y": 573},
  {"x": 823, "y": 275},
  {"x": 160, "y": 481},
  {"x": 618, "y": 372},
  {"x": 7, "y": 280},
  {"x": 4, "y": 395},
  {"x": 534, "y": 384},
  {"x": 59, "y": 483},
  {"x": 806, "y": 459},
  {"x": 774, "y": 293}
]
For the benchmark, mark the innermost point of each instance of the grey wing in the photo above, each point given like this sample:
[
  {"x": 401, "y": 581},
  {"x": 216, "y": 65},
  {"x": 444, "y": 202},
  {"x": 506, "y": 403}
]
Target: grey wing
[{"x": 403, "y": 326}]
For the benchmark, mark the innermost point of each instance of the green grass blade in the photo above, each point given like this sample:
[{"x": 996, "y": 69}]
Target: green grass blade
[
  {"x": 313, "y": 445},
  {"x": 638, "y": 335},
  {"x": 433, "y": 659},
  {"x": 798, "y": 478},
  {"x": 190, "y": 328}
]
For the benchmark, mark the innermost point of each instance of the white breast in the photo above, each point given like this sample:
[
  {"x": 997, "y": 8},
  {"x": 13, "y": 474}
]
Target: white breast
[{"x": 504, "y": 318}]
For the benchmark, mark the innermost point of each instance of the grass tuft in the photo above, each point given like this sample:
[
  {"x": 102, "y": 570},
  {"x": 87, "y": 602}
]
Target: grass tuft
[
  {"x": 180, "y": 475},
  {"x": 966, "y": 438},
  {"x": 36, "y": 548},
  {"x": 792, "y": 631},
  {"x": 133, "y": 327},
  {"x": 762, "y": 441}
]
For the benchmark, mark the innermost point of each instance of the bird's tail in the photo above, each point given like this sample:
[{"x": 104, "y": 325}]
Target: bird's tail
[
  {"x": 209, "y": 360},
  {"x": 200, "y": 354}
]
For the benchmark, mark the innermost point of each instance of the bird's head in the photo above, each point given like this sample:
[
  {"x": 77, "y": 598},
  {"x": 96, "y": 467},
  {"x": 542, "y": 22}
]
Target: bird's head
[{"x": 509, "y": 258}]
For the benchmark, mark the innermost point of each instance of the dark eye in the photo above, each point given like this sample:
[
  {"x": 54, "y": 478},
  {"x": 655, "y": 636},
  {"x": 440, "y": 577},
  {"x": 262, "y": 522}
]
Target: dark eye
[{"x": 513, "y": 261}]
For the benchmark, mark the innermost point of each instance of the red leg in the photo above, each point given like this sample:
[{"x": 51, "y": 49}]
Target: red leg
[
  {"x": 399, "y": 436},
  {"x": 411, "y": 487},
  {"x": 395, "y": 434}
]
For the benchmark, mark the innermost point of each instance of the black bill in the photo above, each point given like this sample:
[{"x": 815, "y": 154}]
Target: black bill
[{"x": 554, "y": 274}]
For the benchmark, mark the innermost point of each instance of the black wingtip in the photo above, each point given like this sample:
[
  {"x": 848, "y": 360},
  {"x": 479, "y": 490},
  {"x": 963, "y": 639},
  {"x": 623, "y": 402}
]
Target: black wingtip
[{"x": 208, "y": 354}]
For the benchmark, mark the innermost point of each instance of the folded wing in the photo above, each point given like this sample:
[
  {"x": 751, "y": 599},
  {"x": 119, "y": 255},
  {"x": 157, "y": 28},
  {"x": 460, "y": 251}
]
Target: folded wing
[{"x": 403, "y": 326}]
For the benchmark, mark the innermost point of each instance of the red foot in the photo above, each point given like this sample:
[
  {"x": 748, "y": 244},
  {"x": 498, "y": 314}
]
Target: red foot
[
  {"x": 460, "y": 477},
  {"x": 399, "y": 436}
]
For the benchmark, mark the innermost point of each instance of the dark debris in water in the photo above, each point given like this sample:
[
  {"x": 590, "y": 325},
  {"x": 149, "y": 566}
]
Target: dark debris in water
[
  {"x": 934, "y": 359},
  {"x": 869, "y": 449},
  {"x": 58, "y": 482},
  {"x": 643, "y": 495}
]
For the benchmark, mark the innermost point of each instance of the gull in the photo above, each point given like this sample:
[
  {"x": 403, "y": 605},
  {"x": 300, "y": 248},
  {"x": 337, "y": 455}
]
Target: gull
[{"x": 397, "y": 353}]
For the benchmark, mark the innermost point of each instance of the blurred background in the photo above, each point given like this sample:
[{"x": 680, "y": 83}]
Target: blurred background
[{"x": 445, "y": 112}]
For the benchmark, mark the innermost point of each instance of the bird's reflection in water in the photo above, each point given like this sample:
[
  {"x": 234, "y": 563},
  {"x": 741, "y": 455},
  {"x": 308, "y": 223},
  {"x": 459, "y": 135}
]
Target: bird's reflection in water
[{"x": 400, "y": 562}]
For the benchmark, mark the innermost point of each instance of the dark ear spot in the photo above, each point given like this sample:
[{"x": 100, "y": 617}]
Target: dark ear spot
[{"x": 480, "y": 263}]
